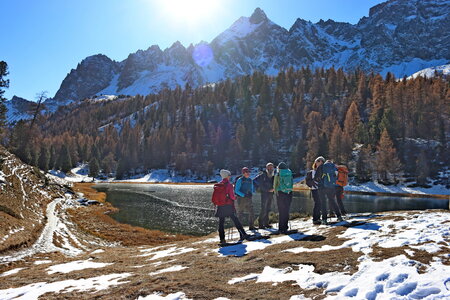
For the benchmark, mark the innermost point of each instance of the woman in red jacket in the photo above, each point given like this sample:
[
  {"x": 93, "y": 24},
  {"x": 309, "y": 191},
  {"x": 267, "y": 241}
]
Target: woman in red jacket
[{"x": 223, "y": 198}]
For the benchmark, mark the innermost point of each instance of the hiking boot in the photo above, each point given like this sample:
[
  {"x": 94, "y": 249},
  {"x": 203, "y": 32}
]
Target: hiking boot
[
  {"x": 324, "y": 222},
  {"x": 317, "y": 222},
  {"x": 340, "y": 219},
  {"x": 268, "y": 226},
  {"x": 252, "y": 228},
  {"x": 223, "y": 242}
]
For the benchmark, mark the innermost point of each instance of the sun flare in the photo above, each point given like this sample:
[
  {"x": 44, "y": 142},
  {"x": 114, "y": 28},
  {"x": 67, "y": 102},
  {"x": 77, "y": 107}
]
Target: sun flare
[{"x": 190, "y": 12}]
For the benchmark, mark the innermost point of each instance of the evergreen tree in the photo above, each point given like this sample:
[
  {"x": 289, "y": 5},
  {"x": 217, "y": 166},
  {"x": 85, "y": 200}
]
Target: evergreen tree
[
  {"x": 423, "y": 168},
  {"x": 44, "y": 159},
  {"x": 64, "y": 159},
  {"x": 363, "y": 165},
  {"x": 4, "y": 83},
  {"x": 94, "y": 167}
]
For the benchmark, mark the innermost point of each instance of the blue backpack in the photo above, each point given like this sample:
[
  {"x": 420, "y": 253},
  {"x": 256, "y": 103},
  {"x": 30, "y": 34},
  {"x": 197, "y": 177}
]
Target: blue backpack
[{"x": 329, "y": 175}]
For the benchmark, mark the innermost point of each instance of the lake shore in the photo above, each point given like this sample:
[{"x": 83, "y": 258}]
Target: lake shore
[{"x": 296, "y": 188}]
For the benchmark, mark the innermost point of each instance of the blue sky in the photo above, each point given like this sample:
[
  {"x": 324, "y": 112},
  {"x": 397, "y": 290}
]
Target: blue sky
[{"x": 42, "y": 40}]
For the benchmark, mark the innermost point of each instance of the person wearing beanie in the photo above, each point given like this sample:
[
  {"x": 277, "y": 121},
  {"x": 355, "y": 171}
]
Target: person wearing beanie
[
  {"x": 264, "y": 182},
  {"x": 223, "y": 199},
  {"x": 283, "y": 184},
  {"x": 244, "y": 190}
]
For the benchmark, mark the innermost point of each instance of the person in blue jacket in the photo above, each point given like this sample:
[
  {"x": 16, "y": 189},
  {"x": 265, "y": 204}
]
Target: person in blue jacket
[{"x": 244, "y": 190}]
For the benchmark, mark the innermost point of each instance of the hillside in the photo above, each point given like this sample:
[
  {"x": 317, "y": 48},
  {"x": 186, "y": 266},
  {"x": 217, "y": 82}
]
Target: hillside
[
  {"x": 396, "y": 254},
  {"x": 398, "y": 36}
]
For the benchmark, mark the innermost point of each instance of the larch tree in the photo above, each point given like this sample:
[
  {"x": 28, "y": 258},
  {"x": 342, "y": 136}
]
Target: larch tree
[
  {"x": 352, "y": 121},
  {"x": 387, "y": 161}
]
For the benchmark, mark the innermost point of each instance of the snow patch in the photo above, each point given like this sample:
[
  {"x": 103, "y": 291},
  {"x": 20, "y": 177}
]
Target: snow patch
[
  {"x": 35, "y": 290},
  {"x": 76, "y": 266}
]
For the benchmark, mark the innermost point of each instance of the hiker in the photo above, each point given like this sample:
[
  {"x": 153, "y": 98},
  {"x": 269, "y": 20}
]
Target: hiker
[
  {"x": 313, "y": 182},
  {"x": 223, "y": 198},
  {"x": 282, "y": 185},
  {"x": 245, "y": 189},
  {"x": 341, "y": 181},
  {"x": 264, "y": 181},
  {"x": 327, "y": 174}
]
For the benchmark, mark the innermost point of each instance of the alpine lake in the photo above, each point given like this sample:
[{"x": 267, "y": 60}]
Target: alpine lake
[{"x": 187, "y": 209}]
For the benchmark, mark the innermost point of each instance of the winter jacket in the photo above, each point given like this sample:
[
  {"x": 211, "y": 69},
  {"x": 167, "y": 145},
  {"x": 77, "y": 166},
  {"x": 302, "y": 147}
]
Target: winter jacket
[
  {"x": 244, "y": 187},
  {"x": 264, "y": 182},
  {"x": 229, "y": 189}
]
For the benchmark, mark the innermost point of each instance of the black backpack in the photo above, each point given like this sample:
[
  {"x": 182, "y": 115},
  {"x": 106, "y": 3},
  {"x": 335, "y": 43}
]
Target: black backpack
[{"x": 309, "y": 180}]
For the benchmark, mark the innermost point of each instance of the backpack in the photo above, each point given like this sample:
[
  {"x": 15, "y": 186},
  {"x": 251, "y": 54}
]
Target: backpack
[
  {"x": 342, "y": 178},
  {"x": 329, "y": 175},
  {"x": 309, "y": 180},
  {"x": 220, "y": 195},
  {"x": 286, "y": 181}
]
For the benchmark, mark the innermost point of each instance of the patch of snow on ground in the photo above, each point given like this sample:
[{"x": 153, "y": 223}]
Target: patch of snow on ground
[
  {"x": 42, "y": 262},
  {"x": 380, "y": 188},
  {"x": 11, "y": 272},
  {"x": 35, "y": 290},
  {"x": 175, "y": 296},
  {"x": 392, "y": 278},
  {"x": 168, "y": 252},
  {"x": 174, "y": 268},
  {"x": 76, "y": 266},
  {"x": 98, "y": 251}
]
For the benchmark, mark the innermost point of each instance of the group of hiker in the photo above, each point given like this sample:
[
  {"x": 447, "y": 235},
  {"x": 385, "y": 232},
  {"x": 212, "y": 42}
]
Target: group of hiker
[{"x": 235, "y": 201}]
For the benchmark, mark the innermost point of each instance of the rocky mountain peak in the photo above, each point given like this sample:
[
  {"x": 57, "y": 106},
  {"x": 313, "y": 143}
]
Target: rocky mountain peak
[{"x": 258, "y": 16}]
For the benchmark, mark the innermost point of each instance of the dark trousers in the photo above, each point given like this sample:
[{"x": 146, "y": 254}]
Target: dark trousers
[
  {"x": 330, "y": 195},
  {"x": 266, "y": 204},
  {"x": 244, "y": 205},
  {"x": 236, "y": 222},
  {"x": 317, "y": 205},
  {"x": 339, "y": 198},
  {"x": 284, "y": 204}
]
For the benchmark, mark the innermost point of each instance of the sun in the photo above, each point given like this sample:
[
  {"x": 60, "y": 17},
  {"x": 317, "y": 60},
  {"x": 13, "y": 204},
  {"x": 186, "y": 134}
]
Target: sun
[{"x": 189, "y": 12}]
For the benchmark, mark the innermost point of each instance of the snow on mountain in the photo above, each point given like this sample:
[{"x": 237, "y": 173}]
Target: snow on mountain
[
  {"x": 430, "y": 72},
  {"x": 19, "y": 109},
  {"x": 398, "y": 36}
]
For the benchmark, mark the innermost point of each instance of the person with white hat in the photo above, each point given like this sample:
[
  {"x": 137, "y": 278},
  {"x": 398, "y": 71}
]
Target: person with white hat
[{"x": 223, "y": 198}]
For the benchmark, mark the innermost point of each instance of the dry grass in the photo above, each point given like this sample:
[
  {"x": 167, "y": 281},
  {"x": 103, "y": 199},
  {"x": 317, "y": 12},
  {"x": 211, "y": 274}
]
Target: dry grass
[
  {"x": 88, "y": 191},
  {"x": 95, "y": 220}
]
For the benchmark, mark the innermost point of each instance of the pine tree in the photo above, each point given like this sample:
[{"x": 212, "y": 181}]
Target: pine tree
[
  {"x": 94, "y": 167},
  {"x": 363, "y": 165},
  {"x": 4, "y": 83},
  {"x": 423, "y": 168},
  {"x": 64, "y": 159},
  {"x": 44, "y": 158},
  {"x": 387, "y": 159}
]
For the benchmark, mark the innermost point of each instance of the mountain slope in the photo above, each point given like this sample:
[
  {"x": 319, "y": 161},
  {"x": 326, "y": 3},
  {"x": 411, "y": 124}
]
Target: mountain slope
[{"x": 398, "y": 36}]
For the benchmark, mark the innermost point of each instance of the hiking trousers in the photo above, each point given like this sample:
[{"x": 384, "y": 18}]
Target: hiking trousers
[
  {"x": 284, "y": 204},
  {"x": 317, "y": 205},
  {"x": 266, "y": 204},
  {"x": 330, "y": 195},
  {"x": 339, "y": 198},
  {"x": 245, "y": 206},
  {"x": 236, "y": 222}
]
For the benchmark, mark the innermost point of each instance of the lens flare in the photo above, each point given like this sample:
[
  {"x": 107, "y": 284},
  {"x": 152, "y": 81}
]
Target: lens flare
[{"x": 202, "y": 55}]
